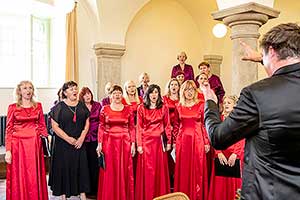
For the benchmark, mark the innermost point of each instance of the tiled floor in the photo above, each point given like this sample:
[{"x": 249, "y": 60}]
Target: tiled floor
[{"x": 2, "y": 192}]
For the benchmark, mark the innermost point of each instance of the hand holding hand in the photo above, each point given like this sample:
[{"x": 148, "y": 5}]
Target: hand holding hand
[
  {"x": 79, "y": 142},
  {"x": 222, "y": 159},
  {"x": 231, "y": 160},
  {"x": 71, "y": 140}
]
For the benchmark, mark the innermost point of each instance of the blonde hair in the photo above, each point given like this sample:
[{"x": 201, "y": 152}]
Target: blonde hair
[
  {"x": 185, "y": 86},
  {"x": 167, "y": 89},
  {"x": 18, "y": 96},
  {"x": 108, "y": 87},
  {"x": 142, "y": 75},
  {"x": 125, "y": 95},
  {"x": 234, "y": 98},
  {"x": 183, "y": 54}
]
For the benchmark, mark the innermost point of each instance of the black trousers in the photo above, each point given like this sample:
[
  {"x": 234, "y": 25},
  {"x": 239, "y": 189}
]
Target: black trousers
[{"x": 93, "y": 166}]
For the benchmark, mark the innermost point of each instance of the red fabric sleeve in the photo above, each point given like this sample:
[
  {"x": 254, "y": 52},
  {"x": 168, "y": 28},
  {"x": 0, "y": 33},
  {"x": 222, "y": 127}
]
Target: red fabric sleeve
[
  {"x": 131, "y": 126},
  {"x": 101, "y": 128},
  {"x": 9, "y": 126},
  {"x": 41, "y": 123},
  {"x": 167, "y": 124},
  {"x": 175, "y": 125},
  {"x": 139, "y": 125},
  {"x": 204, "y": 132}
]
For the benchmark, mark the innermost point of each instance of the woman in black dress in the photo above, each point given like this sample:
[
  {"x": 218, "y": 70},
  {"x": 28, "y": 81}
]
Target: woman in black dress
[{"x": 70, "y": 121}]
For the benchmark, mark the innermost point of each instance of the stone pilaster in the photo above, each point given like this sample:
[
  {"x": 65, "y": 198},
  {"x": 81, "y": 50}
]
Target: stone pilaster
[
  {"x": 215, "y": 62},
  {"x": 108, "y": 64},
  {"x": 244, "y": 21}
]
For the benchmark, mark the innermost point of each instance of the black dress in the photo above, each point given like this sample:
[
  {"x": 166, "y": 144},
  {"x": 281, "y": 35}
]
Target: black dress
[{"x": 69, "y": 168}]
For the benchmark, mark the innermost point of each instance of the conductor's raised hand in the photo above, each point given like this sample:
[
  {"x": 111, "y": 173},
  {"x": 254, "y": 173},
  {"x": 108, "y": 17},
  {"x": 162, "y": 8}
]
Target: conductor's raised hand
[{"x": 249, "y": 53}]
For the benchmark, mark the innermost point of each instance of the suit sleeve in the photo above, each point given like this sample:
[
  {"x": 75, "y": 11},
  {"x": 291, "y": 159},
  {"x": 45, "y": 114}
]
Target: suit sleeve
[{"x": 242, "y": 122}]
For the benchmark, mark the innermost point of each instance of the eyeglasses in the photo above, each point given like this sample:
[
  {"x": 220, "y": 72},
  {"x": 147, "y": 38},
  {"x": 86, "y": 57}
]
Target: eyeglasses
[{"x": 189, "y": 89}]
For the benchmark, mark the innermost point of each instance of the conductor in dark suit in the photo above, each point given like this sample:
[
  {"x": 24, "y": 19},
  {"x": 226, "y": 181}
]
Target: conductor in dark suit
[{"x": 268, "y": 116}]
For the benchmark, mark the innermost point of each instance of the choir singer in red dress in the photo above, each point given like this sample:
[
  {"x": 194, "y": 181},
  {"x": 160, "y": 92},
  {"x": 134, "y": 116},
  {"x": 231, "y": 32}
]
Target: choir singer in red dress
[
  {"x": 25, "y": 175},
  {"x": 116, "y": 140},
  {"x": 152, "y": 178},
  {"x": 224, "y": 188},
  {"x": 171, "y": 99},
  {"x": 191, "y": 144}
]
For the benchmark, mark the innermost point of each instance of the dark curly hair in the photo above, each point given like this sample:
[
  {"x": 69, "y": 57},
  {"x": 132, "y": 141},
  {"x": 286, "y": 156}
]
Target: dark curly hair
[
  {"x": 67, "y": 85},
  {"x": 147, "y": 101}
]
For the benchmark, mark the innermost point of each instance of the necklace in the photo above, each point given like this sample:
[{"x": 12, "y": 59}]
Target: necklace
[{"x": 74, "y": 112}]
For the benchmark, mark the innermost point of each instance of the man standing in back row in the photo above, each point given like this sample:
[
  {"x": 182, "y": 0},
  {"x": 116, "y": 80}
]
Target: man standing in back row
[{"x": 268, "y": 116}]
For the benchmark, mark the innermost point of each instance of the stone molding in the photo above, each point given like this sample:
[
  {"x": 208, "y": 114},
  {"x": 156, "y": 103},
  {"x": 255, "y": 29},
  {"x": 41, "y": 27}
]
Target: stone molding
[{"x": 106, "y": 49}]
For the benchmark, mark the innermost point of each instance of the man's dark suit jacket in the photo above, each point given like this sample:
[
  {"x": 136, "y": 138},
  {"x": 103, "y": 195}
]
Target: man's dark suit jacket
[{"x": 268, "y": 116}]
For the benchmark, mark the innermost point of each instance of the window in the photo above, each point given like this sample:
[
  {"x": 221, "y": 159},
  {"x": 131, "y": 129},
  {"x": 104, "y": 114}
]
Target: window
[
  {"x": 40, "y": 51},
  {"x": 14, "y": 49},
  {"x": 32, "y": 48}
]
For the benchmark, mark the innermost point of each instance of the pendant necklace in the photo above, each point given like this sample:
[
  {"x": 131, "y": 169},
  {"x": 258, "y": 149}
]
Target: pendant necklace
[{"x": 74, "y": 113}]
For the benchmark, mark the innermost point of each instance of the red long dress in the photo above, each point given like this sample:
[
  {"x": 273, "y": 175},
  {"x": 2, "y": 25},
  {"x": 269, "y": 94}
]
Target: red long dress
[
  {"x": 116, "y": 133},
  {"x": 211, "y": 153},
  {"x": 152, "y": 178},
  {"x": 171, "y": 104},
  {"x": 190, "y": 168},
  {"x": 25, "y": 176},
  {"x": 133, "y": 105},
  {"x": 224, "y": 188}
]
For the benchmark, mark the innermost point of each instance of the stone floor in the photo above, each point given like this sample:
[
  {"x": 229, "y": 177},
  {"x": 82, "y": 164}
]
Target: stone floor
[{"x": 2, "y": 192}]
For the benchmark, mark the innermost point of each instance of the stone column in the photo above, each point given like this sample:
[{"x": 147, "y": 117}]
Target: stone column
[
  {"x": 215, "y": 62},
  {"x": 244, "y": 21},
  {"x": 108, "y": 65}
]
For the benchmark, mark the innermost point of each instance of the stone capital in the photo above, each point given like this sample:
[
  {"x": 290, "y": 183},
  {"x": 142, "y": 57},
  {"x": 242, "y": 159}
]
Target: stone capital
[
  {"x": 216, "y": 59},
  {"x": 245, "y": 19},
  {"x": 106, "y": 49},
  {"x": 246, "y": 8}
]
